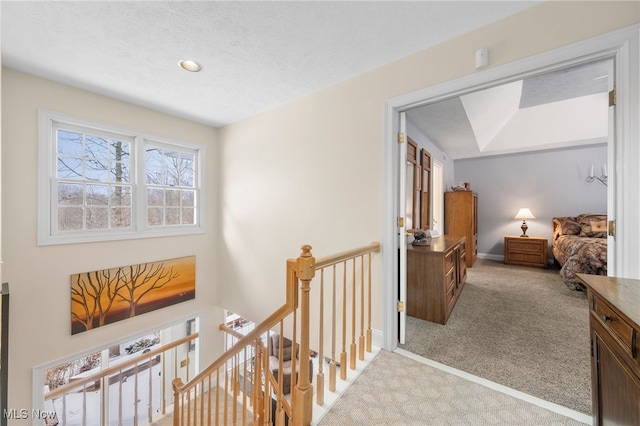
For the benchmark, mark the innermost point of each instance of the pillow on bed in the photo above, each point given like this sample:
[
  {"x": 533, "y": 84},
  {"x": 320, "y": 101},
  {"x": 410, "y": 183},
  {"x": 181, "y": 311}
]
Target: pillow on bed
[
  {"x": 594, "y": 226},
  {"x": 569, "y": 226}
]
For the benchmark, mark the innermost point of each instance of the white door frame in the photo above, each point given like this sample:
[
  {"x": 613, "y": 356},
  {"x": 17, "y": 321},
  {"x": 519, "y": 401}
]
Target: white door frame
[
  {"x": 402, "y": 225},
  {"x": 437, "y": 196},
  {"x": 622, "y": 45}
]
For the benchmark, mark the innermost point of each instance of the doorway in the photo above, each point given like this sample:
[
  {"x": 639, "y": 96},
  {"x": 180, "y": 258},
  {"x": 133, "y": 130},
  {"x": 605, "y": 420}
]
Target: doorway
[
  {"x": 615, "y": 46},
  {"x": 531, "y": 121}
]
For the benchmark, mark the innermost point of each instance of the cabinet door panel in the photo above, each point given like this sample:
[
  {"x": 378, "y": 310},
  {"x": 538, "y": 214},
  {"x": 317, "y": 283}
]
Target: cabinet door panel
[{"x": 618, "y": 388}]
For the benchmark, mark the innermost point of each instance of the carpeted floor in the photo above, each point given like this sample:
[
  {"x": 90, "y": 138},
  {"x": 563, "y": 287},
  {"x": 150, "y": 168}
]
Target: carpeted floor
[
  {"x": 396, "y": 390},
  {"x": 516, "y": 326}
]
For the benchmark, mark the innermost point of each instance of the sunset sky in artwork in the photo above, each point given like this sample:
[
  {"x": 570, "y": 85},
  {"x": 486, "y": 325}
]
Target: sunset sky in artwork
[{"x": 175, "y": 289}]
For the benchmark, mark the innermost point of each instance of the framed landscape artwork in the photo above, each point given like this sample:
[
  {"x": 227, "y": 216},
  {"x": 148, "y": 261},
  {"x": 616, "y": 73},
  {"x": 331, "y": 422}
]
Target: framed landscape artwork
[{"x": 110, "y": 295}]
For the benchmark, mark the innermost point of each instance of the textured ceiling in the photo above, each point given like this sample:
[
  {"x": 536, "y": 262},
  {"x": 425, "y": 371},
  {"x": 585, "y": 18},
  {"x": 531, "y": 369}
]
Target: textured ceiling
[{"x": 256, "y": 55}]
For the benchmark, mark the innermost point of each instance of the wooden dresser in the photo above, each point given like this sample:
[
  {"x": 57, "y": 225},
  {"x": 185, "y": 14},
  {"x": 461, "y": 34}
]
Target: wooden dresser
[
  {"x": 614, "y": 324},
  {"x": 435, "y": 277},
  {"x": 461, "y": 218}
]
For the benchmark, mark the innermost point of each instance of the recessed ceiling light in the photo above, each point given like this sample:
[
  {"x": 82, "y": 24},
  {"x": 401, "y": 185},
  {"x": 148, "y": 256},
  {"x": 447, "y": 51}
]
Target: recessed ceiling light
[{"x": 190, "y": 65}]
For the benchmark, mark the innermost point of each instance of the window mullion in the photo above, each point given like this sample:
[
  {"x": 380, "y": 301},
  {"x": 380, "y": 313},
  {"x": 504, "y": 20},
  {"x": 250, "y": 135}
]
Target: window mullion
[
  {"x": 93, "y": 186},
  {"x": 84, "y": 183},
  {"x": 139, "y": 185}
]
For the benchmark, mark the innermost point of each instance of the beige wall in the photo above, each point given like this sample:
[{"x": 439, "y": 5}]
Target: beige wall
[
  {"x": 39, "y": 277},
  {"x": 307, "y": 172},
  {"x": 311, "y": 171}
]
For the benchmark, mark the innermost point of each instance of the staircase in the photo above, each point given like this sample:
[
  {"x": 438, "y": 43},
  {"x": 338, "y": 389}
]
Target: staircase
[
  {"x": 246, "y": 385},
  {"x": 289, "y": 369}
]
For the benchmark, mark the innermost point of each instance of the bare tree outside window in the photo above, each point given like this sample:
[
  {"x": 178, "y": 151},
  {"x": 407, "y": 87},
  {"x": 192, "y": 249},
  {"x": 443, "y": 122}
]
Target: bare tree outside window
[
  {"x": 171, "y": 195},
  {"x": 94, "y": 181},
  {"x": 62, "y": 374},
  {"x": 98, "y": 182}
]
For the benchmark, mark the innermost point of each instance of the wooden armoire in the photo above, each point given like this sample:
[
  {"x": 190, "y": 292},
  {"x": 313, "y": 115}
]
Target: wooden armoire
[{"x": 461, "y": 219}]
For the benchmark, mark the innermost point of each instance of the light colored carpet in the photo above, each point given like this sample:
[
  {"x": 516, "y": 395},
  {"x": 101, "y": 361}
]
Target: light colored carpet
[
  {"x": 517, "y": 326},
  {"x": 396, "y": 390}
]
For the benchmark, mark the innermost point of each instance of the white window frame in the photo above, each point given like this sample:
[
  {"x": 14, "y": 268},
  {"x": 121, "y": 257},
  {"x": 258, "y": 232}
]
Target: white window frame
[
  {"x": 47, "y": 184},
  {"x": 169, "y": 333}
]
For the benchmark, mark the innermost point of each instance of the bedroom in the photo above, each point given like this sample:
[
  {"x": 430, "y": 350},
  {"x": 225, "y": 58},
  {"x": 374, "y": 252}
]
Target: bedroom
[
  {"x": 550, "y": 181},
  {"x": 527, "y": 159}
]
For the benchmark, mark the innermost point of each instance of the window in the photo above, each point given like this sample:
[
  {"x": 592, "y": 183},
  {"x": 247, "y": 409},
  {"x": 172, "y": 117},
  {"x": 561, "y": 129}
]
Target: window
[
  {"x": 171, "y": 192},
  {"x": 133, "y": 378},
  {"x": 93, "y": 179},
  {"x": 98, "y": 182}
]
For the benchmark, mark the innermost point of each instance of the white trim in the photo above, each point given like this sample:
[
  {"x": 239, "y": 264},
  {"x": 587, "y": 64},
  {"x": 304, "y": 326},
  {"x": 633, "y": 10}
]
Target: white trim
[
  {"x": 389, "y": 247},
  {"x": 623, "y": 45},
  {"x": 37, "y": 391},
  {"x": 489, "y": 256},
  {"x": 438, "y": 194},
  {"x": 559, "y": 409},
  {"x": 377, "y": 338},
  {"x": 47, "y": 172},
  {"x": 627, "y": 158}
]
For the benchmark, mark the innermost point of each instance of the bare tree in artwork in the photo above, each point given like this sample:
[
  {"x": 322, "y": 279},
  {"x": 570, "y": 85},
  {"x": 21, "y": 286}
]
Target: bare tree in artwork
[
  {"x": 95, "y": 293},
  {"x": 140, "y": 280}
]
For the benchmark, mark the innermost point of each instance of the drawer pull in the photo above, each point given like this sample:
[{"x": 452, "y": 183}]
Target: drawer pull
[{"x": 606, "y": 318}]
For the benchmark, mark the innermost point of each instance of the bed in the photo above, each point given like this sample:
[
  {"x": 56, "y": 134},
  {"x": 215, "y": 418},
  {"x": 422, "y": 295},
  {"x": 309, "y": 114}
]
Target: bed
[{"x": 579, "y": 245}]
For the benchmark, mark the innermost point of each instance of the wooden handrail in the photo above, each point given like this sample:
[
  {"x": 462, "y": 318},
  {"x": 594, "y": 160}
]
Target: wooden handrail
[
  {"x": 374, "y": 247},
  {"x": 263, "y": 384},
  {"x": 247, "y": 339},
  {"x": 231, "y": 331},
  {"x": 242, "y": 343},
  {"x": 116, "y": 368}
]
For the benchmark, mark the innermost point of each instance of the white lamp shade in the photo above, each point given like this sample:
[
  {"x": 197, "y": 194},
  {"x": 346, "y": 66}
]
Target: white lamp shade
[{"x": 525, "y": 213}]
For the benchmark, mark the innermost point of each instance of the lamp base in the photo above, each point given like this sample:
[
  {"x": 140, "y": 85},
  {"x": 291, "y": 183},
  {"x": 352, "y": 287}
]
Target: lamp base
[{"x": 524, "y": 228}]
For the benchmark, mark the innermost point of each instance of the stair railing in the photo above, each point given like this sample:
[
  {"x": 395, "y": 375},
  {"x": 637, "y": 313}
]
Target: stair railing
[
  {"x": 163, "y": 360},
  {"x": 240, "y": 387}
]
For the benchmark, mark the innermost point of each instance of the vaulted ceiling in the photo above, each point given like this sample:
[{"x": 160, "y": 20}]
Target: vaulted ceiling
[{"x": 566, "y": 107}]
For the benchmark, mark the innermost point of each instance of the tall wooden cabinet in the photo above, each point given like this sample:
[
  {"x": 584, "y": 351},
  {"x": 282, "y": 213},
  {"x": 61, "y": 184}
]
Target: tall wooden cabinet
[
  {"x": 435, "y": 276},
  {"x": 614, "y": 323},
  {"x": 461, "y": 219}
]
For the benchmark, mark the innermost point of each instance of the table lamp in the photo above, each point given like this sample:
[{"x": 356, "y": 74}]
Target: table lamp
[{"x": 524, "y": 214}]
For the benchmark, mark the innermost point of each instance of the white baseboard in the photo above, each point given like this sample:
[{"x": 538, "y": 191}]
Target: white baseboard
[
  {"x": 377, "y": 338},
  {"x": 489, "y": 256},
  {"x": 500, "y": 258}
]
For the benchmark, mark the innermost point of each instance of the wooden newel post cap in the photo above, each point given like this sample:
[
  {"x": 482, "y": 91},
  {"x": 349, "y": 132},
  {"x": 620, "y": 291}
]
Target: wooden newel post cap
[
  {"x": 306, "y": 251},
  {"x": 306, "y": 264},
  {"x": 177, "y": 383}
]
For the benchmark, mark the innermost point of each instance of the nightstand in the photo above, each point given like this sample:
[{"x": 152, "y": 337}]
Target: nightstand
[{"x": 525, "y": 251}]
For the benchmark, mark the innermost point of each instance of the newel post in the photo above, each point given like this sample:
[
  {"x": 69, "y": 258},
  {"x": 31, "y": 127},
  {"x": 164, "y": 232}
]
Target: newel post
[
  {"x": 177, "y": 401},
  {"x": 303, "y": 397}
]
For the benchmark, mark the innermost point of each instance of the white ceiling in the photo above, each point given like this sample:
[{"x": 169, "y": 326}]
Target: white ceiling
[
  {"x": 256, "y": 55},
  {"x": 566, "y": 107}
]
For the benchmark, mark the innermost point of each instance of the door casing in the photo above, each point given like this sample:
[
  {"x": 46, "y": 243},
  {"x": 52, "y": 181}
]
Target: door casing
[{"x": 623, "y": 46}]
